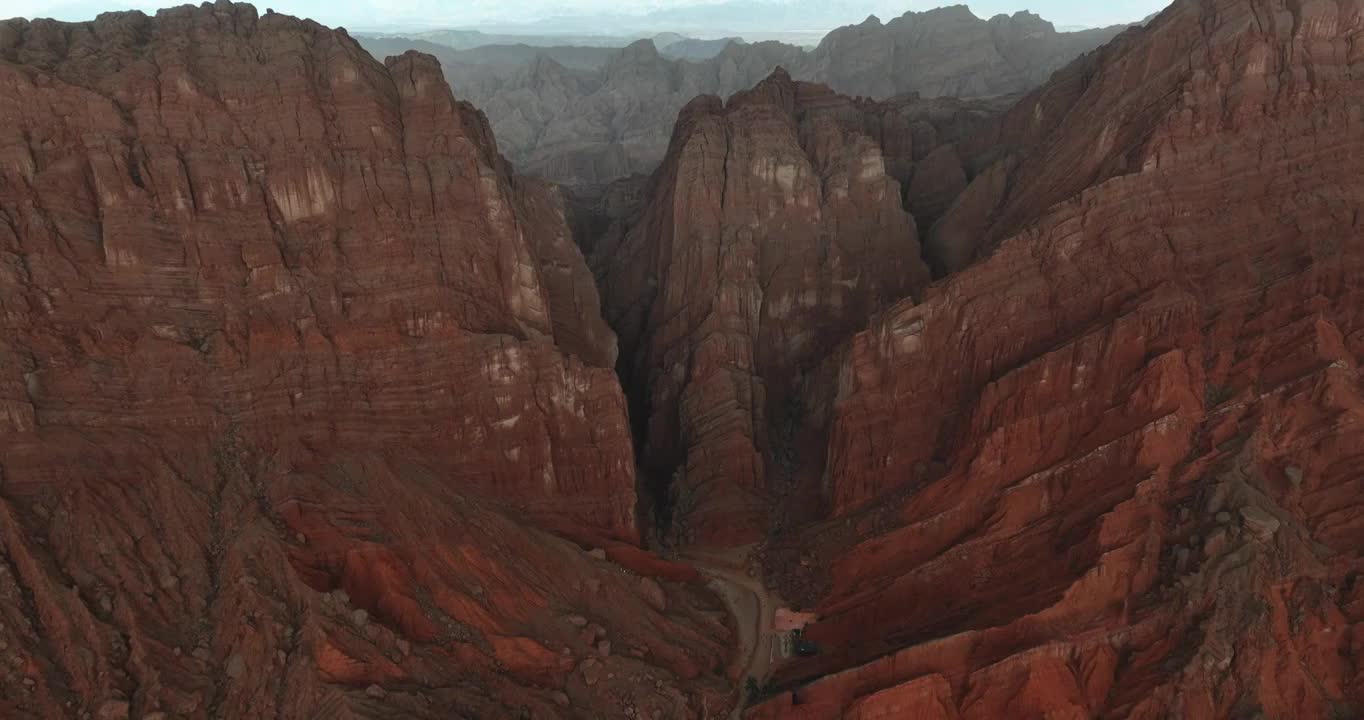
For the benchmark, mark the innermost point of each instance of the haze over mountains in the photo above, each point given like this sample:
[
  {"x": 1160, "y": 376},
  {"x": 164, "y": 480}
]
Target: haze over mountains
[
  {"x": 588, "y": 115},
  {"x": 707, "y": 19}
]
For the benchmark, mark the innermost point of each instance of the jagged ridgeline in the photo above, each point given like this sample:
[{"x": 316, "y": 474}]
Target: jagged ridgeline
[{"x": 591, "y": 115}]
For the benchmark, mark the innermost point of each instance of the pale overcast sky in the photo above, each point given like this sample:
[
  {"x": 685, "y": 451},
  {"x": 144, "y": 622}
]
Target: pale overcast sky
[{"x": 360, "y": 14}]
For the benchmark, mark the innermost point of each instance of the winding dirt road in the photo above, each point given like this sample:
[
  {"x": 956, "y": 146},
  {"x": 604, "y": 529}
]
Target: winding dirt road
[{"x": 753, "y": 609}]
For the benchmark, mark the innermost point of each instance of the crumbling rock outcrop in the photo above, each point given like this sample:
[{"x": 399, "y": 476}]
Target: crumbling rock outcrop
[
  {"x": 1109, "y": 469},
  {"x": 771, "y": 232},
  {"x": 291, "y": 367}
]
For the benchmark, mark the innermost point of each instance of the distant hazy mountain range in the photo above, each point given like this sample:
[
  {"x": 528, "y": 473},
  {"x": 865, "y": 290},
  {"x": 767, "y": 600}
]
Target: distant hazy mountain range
[
  {"x": 582, "y": 114},
  {"x": 460, "y": 39},
  {"x": 581, "y": 22},
  {"x": 481, "y": 48},
  {"x": 743, "y": 16},
  {"x": 800, "y": 22},
  {"x": 795, "y": 21}
]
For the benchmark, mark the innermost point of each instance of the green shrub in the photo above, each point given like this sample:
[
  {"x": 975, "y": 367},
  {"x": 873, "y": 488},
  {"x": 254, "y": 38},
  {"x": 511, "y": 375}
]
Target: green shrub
[{"x": 1214, "y": 394}]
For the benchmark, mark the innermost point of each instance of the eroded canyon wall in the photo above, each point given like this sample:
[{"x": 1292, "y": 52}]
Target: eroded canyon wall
[
  {"x": 772, "y": 231},
  {"x": 291, "y": 368},
  {"x": 1111, "y": 468}
]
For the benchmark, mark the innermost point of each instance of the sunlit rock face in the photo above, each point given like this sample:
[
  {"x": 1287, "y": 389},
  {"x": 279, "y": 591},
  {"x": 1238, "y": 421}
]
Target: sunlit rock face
[
  {"x": 1109, "y": 467},
  {"x": 291, "y": 368}
]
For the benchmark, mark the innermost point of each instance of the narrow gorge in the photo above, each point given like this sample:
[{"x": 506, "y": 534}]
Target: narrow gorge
[{"x": 1044, "y": 404}]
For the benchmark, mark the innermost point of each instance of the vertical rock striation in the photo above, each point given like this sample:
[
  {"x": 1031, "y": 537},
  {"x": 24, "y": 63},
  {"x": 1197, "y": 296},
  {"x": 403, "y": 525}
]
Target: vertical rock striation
[
  {"x": 772, "y": 231},
  {"x": 290, "y": 366},
  {"x": 1109, "y": 469}
]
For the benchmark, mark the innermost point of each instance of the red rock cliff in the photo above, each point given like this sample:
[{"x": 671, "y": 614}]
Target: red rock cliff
[
  {"x": 771, "y": 232},
  {"x": 1111, "y": 469},
  {"x": 282, "y": 339}
]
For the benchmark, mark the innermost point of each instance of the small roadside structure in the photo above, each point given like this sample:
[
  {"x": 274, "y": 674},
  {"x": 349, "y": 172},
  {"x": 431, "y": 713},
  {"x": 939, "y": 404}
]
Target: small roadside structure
[
  {"x": 788, "y": 625},
  {"x": 788, "y": 620}
]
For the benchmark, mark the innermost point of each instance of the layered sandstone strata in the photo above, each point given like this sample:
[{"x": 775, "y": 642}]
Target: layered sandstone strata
[
  {"x": 771, "y": 232},
  {"x": 1109, "y": 469},
  {"x": 290, "y": 367}
]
